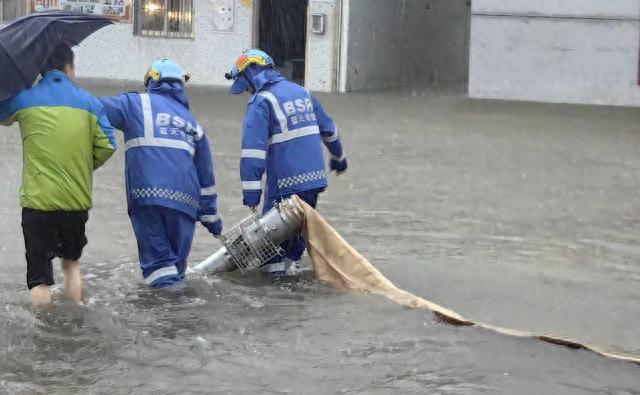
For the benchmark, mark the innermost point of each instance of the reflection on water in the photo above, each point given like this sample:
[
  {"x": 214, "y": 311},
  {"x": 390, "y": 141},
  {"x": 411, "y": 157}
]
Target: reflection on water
[{"x": 517, "y": 215}]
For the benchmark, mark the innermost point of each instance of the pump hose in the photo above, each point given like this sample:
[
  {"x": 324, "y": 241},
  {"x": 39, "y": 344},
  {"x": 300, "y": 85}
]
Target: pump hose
[{"x": 336, "y": 263}]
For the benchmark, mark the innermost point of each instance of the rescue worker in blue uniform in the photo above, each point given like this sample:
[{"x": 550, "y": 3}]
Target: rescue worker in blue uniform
[
  {"x": 168, "y": 170},
  {"x": 283, "y": 131}
]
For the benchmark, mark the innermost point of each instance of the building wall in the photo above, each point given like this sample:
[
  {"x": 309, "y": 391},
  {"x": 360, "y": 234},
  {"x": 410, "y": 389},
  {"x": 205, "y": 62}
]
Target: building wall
[
  {"x": 572, "y": 51},
  {"x": 115, "y": 53},
  {"x": 321, "y": 49},
  {"x": 11, "y": 9},
  {"x": 407, "y": 42}
]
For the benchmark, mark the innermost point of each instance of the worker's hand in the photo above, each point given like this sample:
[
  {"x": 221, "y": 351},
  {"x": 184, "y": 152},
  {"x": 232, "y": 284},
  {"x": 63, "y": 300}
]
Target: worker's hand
[
  {"x": 214, "y": 228},
  {"x": 338, "y": 167},
  {"x": 254, "y": 209}
]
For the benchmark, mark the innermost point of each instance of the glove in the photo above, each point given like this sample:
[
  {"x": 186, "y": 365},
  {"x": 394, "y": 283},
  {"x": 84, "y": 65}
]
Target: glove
[
  {"x": 339, "y": 167},
  {"x": 214, "y": 228},
  {"x": 251, "y": 198}
]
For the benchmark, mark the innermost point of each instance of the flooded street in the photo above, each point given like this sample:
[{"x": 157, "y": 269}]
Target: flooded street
[{"x": 521, "y": 215}]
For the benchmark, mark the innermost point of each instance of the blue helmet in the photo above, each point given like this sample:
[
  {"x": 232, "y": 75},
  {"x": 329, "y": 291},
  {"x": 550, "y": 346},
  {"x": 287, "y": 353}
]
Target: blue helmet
[
  {"x": 248, "y": 57},
  {"x": 165, "y": 70}
]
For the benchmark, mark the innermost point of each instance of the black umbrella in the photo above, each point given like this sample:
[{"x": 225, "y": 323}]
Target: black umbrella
[{"x": 27, "y": 43}]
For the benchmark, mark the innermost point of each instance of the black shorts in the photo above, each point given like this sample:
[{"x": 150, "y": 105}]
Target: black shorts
[{"x": 50, "y": 234}]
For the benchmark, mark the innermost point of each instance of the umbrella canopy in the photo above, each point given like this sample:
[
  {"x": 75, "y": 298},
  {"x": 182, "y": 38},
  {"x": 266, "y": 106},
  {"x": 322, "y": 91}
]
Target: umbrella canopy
[{"x": 27, "y": 43}]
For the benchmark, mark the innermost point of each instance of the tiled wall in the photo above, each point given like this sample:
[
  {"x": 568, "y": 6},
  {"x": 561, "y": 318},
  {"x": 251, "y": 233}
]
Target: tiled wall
[
  {"x": 115, "y": 53},
  {"x": 569, "y": 51},
  {"x": 321, "y": 49}
]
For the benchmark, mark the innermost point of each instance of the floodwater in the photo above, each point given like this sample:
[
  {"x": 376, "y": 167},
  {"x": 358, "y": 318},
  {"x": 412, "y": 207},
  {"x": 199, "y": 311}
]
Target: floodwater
[{"x": 520, "y": 215}]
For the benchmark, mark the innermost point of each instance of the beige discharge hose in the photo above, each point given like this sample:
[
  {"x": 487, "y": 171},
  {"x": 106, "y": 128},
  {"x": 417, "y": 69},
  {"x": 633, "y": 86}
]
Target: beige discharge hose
[{"x": 336, "y": 263}]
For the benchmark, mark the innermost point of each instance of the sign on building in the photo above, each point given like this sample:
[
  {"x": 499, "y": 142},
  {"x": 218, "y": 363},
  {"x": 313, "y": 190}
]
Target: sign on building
[{"x": 115, "y": 8}]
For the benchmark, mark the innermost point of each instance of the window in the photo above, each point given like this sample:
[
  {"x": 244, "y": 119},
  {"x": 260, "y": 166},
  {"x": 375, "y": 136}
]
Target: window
[{"x": 164, "y": 18}]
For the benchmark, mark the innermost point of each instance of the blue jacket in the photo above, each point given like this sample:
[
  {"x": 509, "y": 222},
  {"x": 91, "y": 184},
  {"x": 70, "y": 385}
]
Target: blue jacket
[
  {"x": 284, "y": 127},
  {"x": 168, "y": 161}
]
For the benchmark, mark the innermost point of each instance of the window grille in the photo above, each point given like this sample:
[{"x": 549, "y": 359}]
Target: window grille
[{"x": 164, "y": 18}]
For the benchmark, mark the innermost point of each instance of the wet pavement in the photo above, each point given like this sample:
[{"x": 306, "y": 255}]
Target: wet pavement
[{"x": 513, "y": 214}]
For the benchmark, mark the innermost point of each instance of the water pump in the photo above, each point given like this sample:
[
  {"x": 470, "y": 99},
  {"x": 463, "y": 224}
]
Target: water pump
[{"x": 254, "y": 241}]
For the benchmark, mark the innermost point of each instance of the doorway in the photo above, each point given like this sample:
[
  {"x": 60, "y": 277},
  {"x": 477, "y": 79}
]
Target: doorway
[{"x": 282, "y": 33}]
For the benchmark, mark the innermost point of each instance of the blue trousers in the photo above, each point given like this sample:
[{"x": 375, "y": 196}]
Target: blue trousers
[
  {"x": 294, "y": 247},
  {"x": 164, "y": 240}
]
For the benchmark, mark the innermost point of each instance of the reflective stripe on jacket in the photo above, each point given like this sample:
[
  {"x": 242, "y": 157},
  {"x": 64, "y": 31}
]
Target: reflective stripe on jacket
[
  {"x": 283, "y": 131},
  {"x": 168, "y": 159}
]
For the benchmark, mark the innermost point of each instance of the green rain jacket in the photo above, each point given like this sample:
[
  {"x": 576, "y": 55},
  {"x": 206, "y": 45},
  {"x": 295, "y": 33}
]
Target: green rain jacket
[{"x": 65, "y": 136}]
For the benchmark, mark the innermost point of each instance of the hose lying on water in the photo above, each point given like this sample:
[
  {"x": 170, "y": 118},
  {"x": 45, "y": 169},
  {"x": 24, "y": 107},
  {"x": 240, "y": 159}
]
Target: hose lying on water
[{"x": 336, "y": 263}]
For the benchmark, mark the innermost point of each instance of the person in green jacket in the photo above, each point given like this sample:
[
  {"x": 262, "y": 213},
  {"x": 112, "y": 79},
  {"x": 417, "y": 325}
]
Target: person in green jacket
[{"x": 65, "y": 136}]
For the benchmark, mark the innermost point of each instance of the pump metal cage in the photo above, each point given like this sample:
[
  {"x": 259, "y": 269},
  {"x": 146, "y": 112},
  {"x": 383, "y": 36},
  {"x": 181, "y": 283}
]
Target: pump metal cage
[{"x": 249, "y": 245}]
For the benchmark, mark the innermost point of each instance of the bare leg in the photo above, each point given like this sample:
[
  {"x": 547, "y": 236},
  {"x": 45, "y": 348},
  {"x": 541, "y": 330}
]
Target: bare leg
[
  {"x": 72, "y": 280},
  {"x": 41, "y": 296}
]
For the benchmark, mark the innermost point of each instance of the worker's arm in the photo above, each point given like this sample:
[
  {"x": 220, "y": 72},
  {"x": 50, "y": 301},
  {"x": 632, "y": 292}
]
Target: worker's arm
[
  {"x": 330, "y": 137},
  {"x": 208, "y": 211},
  {"x": 8, "y": 112},
  {"x": 255, "y": 136},
  {"x": 104, "y": 142},
  {"x": 116, "y": 108}
]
